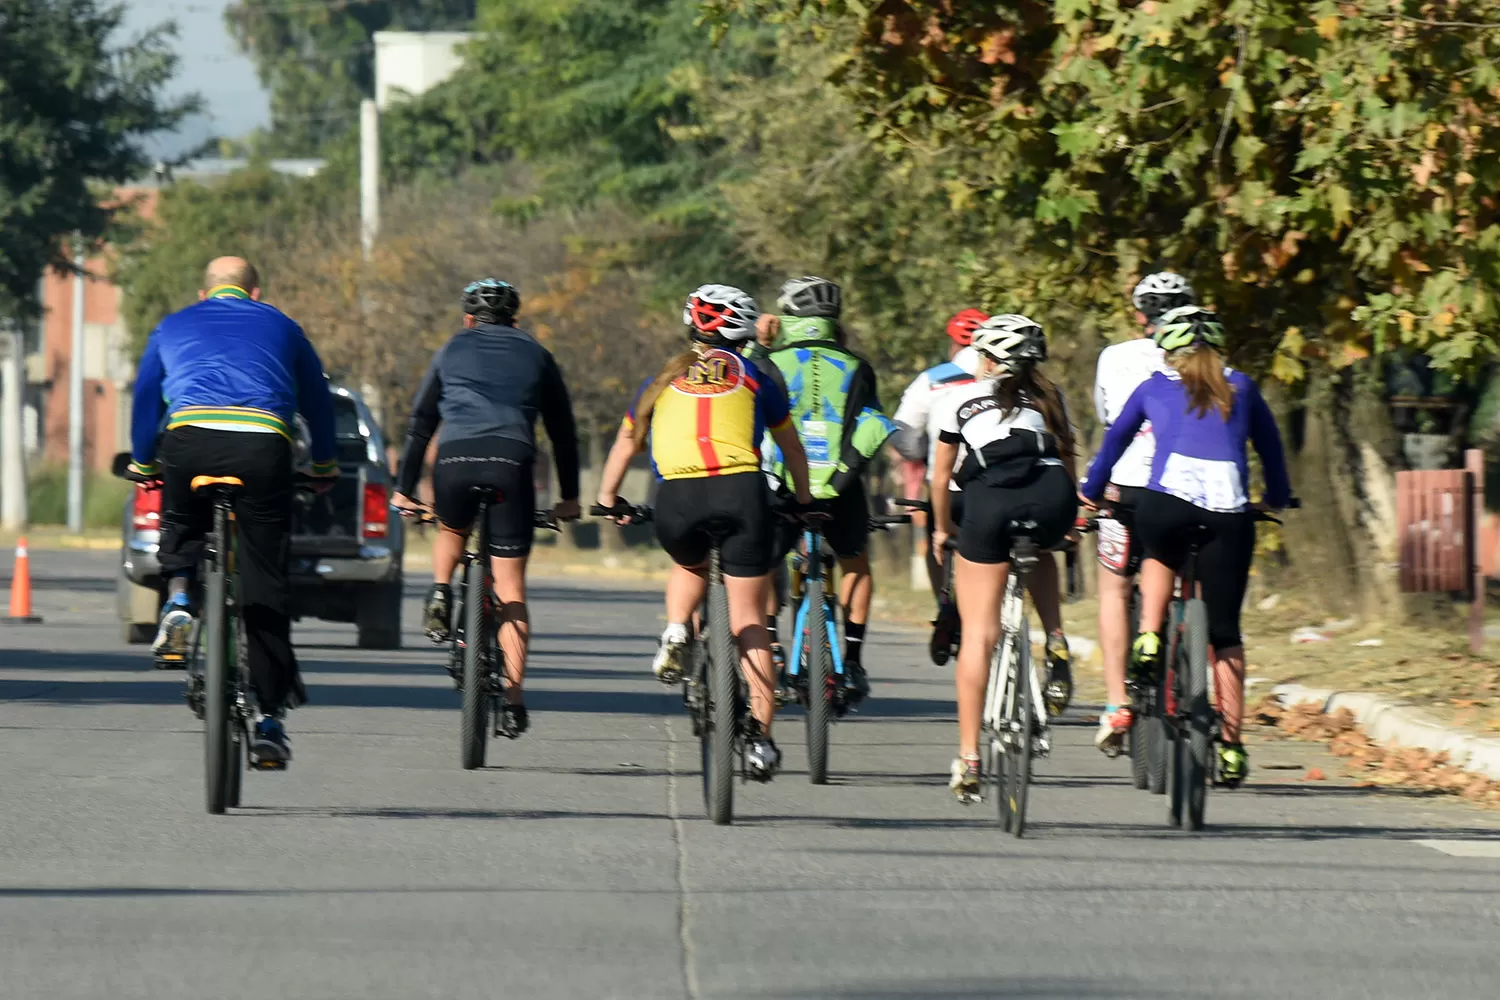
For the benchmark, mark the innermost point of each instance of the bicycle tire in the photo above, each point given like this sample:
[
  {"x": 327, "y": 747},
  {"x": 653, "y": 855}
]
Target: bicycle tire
[
  {"x": 239, "y": 738},
  {"x": 819, "y": 675},
  {"x": 216, "y": 748},
  {"x": 1174, "y": 744},
  {"x": 723, "y": 702},
  {"x": 1138, "y": 737},
  {"x": 1200, "y": 713},
  {"x": 1019, "y": 749},
  {"x": 474, "y": 726}
]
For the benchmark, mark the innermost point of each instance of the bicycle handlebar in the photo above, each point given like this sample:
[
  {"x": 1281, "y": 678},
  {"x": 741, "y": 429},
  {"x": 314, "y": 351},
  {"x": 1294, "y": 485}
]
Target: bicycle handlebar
[
  {"x": 424, "y": 515},
  {"x": 633, "y": 513}
]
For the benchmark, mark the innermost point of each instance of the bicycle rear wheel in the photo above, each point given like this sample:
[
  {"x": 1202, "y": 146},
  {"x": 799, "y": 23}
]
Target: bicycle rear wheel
[
  {"x": 1159, "y": 732},
  {"x": 239, "y": 740},
  {"x": 1137, "y": 738},
  {"x": 1174, "y": 744},
  {"x": 216, "y": 723},
  {"x": 1199, "y": 743},
  {"x": 1018, "y": 748},
  {"x": 719, "y": 735},
  {"x": 819, "y": 674},
  {"x": 474, "y": 726}
]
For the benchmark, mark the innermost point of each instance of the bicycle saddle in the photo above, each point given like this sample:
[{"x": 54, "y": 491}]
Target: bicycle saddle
[
  {"x": 208, "y": 482},
  {"x": 490, "y": 493}
]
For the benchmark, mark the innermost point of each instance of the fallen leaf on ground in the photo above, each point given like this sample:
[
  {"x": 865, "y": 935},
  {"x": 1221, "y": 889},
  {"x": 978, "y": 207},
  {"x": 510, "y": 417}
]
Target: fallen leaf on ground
[{"x": 1315, "y": 774}]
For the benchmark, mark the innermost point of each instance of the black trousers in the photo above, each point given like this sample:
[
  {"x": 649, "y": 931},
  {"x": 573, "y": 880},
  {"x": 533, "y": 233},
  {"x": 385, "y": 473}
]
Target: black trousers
[
  {"x": 263, "y": 513},
  {"x": 1223, "y": 561}
]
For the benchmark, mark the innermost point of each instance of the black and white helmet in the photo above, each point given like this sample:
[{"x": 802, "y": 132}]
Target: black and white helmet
[
  {"x": 1011, "y": 339},
  {"x": 720, "y": 312},
  {"x": 810, "y": 295},
  {"x": 1160, "y": 292}
]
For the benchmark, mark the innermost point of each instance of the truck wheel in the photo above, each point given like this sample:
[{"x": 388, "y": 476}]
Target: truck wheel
[{"x": 379, "y": 617}]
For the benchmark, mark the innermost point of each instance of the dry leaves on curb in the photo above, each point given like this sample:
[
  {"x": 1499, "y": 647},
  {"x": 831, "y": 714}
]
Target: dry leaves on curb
[{"x": 1373, "y": 764}]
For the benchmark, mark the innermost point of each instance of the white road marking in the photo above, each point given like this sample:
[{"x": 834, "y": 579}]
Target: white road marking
[{"x": 1465, "y": 848}]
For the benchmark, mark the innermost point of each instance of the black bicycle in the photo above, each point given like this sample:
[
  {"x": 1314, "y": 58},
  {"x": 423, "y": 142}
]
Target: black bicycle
[
  {"x": 475, "y": 660},
  {"x": 218, "y": 672},
  {"x": 1189, "y": 708},
  {"x": 947, "y": 633},
  {"x": 714, "y": 692}
]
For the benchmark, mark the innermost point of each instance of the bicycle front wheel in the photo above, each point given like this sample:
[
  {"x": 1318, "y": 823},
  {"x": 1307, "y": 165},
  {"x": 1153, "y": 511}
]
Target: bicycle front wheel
[
  {"x": 1018, "y": 747},
  {"x": 216, "y": 736},
  {"x": 474, "y": 727},
  {"x": 819, "y": 683},
  {"x": 723, "y": 708},
  {"x": 1199, "y": 751}
]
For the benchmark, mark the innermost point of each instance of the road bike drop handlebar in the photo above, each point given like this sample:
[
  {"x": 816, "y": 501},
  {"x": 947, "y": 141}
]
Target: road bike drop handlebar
[
  {"x": 633, "y": 513},
  {"x": 1086, "y": 524},
  {"x": 302, "y": 482}
]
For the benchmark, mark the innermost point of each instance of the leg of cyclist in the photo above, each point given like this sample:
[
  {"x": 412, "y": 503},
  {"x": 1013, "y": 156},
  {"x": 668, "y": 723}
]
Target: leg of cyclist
[
  {"x": 686, "y": 587},
  {"x": 1114, "y": 638},
  {"x": 1045, "y": 587},
  {"x": 848, "y": 533},
  {"x": 981, "y": 588},
  {"x": 514, "y": 636},
  {"x": 1224, "y": 568},
  {"x": 945, "y": 624},
  {"x": 746, "y": 597},
  {"x": 185, "y": 519}
]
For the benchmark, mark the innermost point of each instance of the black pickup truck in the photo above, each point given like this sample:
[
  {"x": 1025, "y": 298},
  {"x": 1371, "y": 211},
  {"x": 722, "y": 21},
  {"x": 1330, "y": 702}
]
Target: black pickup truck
[{"x": 346, "y": 549}]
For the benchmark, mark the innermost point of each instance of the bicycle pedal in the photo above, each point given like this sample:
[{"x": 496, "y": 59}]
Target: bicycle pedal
[{"x": 267, "y": 765}]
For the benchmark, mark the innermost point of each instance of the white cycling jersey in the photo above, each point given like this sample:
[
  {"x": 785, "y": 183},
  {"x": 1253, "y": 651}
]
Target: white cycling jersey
[
  {"x": 1122, "y": 368},
  {"x": 918, "y": 410}
]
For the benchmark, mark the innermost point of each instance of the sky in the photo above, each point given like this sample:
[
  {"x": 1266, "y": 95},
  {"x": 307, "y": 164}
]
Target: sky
[{"x": 210, "y": 64}]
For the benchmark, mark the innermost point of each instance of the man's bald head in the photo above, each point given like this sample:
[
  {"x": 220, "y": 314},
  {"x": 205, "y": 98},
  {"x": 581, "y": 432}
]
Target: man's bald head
[{"x": 235, "y": 271}]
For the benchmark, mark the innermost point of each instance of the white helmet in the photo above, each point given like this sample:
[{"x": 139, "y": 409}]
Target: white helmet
[
  {"x": 810, "y": 295},
  {"x": 1011, "y": 339},
  {"x": 720, "y": 312},
  {"x": 1161, "y": 291}
]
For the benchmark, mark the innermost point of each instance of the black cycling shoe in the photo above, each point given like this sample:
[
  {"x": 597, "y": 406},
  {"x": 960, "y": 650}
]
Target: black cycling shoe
[
  {"x": 856, "y": 683},
  {"x": 513, "y": 720},
  {"x": 944, "y": 634},
  {"x": 436, "y": 613}
]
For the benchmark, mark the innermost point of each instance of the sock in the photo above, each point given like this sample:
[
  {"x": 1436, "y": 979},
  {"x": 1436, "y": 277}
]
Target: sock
[
  {"x": 675, "y": 632},
  {"x": 854, "y": 641}
]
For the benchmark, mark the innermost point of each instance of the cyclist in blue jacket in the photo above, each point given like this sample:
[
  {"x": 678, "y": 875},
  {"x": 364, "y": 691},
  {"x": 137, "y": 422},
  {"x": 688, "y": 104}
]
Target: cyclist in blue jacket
[
  {"x": 1202, "y": 414},
  {"x": 227, "y": 376}
]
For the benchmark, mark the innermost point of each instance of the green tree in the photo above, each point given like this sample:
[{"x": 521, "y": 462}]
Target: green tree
[
  {"x": 74, "y": 105},
  {"x": 318, "y": 59}
]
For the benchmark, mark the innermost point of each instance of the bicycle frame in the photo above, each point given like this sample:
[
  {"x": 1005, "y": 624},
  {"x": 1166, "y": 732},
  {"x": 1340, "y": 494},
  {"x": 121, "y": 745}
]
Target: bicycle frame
[
  {"x": 813, "y": 543},
  {"x": 1001, "y": 694}
]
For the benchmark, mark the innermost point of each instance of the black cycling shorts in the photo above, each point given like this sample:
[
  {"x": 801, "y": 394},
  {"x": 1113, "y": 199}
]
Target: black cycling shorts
[
  {"x": 847, "y": 530},
  {"x": 736, "y": 508},
  {"x": 498, "y": 464},
  {"x": 1162, "y": 520},
  {"x": 1119, "y": 549},
  {"x": 1047, "y": 497}
]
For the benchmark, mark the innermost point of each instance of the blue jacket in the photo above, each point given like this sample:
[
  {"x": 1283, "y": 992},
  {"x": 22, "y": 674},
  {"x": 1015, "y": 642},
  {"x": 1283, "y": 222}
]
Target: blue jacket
[
  {"x": 1200, "y": 457},
  {"x": 233, "y": 364}
]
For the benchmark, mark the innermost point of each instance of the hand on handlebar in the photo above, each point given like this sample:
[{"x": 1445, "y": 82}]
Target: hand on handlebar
[
  {"x": 1090, "y": 504},
  {"x": 566, "y": 510},
  {"x": 406, "y": 505}
]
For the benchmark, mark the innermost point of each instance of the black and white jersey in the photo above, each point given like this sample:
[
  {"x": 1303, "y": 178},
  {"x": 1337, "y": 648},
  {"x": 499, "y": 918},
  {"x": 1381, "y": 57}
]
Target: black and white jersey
[{"x": 1001, "y": 447}]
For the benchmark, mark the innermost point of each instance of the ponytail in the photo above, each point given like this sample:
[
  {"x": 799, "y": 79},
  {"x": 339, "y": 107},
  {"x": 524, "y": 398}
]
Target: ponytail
[
  {"x": 1030, "y": 388},
  {"x": 674, "y": 370},
  {"x": 1202, "y": 371}
]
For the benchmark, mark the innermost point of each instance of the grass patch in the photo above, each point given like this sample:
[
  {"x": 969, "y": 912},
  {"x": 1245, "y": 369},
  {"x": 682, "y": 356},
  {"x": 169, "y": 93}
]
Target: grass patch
[{"x": 47, "y": 497}]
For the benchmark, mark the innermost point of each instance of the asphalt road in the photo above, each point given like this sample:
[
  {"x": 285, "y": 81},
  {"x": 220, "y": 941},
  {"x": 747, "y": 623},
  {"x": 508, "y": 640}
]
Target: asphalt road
[{"x": 581, "y": 865}]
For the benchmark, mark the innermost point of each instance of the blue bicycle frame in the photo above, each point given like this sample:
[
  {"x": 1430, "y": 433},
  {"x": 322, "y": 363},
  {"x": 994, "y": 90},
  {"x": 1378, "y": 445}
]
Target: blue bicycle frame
[{"x": 813, "y": 542}]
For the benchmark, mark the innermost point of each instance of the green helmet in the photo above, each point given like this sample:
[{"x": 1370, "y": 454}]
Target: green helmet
[{"x": 1186, "y": 326}]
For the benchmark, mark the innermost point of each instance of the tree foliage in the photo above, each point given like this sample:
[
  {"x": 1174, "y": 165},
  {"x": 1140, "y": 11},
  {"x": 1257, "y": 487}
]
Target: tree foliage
[
  {"x": 318, "y": 59},
  {"x": 74, "y": 104},
  {"x": 1325, "y": 171}
]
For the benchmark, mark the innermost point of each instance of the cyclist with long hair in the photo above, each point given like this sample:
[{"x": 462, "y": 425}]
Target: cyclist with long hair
[
  {"x": 702, "y": 417},
  {"x": 1202, "y": 414},
  {"x": 1122, "y": 368},
  {"x": 1013, "y": 423}
]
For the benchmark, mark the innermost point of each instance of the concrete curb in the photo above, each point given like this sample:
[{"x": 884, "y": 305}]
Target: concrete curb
[{"x": 1393, "y": 722}]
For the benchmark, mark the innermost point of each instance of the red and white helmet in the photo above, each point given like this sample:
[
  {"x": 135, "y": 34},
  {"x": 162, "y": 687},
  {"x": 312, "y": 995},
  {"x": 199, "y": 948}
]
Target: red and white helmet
[
  {"x": 961, "y": 326},
  {"x": 720, "y": 312}
]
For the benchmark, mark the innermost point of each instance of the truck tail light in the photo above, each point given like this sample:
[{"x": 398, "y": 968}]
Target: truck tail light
[
  {"x": 373, "y": 519},
  {"x": 145, "y": 510}
]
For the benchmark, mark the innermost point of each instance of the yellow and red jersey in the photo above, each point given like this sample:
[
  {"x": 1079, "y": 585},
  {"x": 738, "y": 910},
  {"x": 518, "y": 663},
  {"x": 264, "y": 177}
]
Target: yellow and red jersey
[{"x": 709, "y": 421}]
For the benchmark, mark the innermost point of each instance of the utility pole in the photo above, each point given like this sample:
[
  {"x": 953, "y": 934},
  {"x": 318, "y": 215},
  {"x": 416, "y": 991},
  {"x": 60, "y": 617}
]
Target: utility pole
[
  {"x": 75, "y": 398},
  {"x": 13, "y": 513},
  {"x": 369, "y": 220}
]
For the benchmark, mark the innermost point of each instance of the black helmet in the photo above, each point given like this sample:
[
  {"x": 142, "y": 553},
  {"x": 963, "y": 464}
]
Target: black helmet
[{"x": 490, "y": 300}]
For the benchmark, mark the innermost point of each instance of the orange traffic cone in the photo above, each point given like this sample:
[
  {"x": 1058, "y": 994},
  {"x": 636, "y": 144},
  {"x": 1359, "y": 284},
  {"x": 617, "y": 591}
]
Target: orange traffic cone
[{"x": 20, "y": 588}]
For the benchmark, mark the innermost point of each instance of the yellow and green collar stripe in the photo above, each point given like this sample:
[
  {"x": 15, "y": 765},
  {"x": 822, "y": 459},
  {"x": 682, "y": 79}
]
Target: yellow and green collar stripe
[
  {"x": 227, "y": 292},
  {"x": 231, "y": 418}
]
